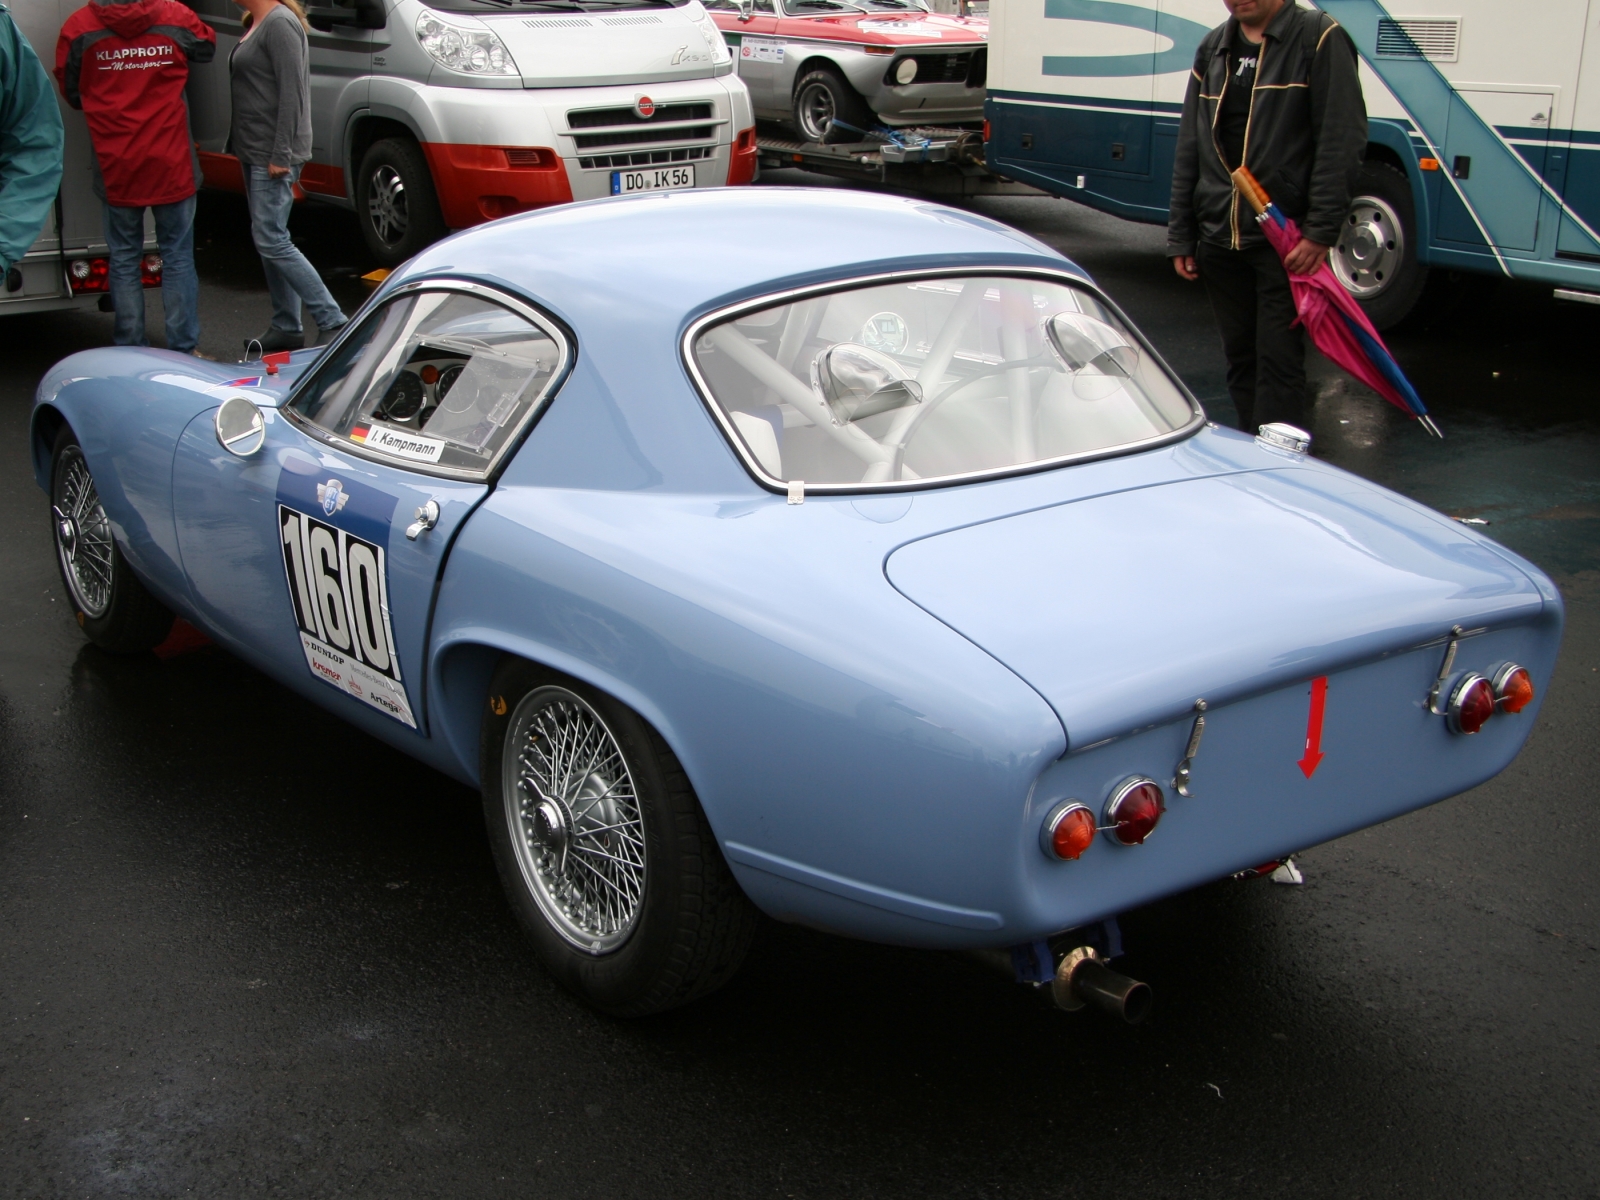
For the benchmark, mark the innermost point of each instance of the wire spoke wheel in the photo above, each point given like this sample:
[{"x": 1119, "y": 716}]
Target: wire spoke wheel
[
  {"x": 574, "y": 819},
  {"x": 83, "y": 536},
  {"x": 386, "y": 204}
]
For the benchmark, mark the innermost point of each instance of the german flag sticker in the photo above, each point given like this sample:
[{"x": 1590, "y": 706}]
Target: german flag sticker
[{"x": 359, "y": 433}]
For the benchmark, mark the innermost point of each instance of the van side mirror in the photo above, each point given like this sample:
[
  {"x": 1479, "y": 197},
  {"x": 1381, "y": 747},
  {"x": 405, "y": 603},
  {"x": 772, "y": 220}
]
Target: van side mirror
[{"x": 360, "y": 14}]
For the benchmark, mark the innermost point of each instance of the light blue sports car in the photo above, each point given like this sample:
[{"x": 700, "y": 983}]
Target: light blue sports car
[{"x": 844, "y": 558}]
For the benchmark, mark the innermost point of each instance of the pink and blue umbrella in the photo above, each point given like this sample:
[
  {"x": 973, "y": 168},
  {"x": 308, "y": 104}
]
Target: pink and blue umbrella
[{"x": 1336, "y": 323}]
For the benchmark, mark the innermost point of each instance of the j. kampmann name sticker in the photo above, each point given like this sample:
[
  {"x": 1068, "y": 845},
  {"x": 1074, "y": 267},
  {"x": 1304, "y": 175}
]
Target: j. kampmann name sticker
[{"x": 415, "y": 446}]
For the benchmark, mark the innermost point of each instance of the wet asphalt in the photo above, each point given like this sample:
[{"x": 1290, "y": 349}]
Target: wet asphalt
[{"x": 246, "y": 950}]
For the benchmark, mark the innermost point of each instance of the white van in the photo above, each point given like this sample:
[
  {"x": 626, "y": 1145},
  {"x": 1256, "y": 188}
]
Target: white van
[
  {"x": 68, "y": 263},
  {"x": 432, "y": 116}
]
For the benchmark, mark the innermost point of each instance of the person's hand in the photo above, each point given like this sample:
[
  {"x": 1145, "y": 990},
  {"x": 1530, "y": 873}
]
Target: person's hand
[
  {"x": 1306, "y": 257},
  {"x": 277, "y": 172},
  {"x": 1186, "y": 267}
]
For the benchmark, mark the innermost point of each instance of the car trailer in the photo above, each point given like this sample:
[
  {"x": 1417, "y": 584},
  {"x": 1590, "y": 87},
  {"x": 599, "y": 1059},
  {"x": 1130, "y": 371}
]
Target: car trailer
[{"x": 934, "y": 161}]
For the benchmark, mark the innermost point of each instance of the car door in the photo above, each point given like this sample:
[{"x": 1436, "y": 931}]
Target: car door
[
  {"x": 315, "y": 555},
  {"x": 340, "y": 78}
]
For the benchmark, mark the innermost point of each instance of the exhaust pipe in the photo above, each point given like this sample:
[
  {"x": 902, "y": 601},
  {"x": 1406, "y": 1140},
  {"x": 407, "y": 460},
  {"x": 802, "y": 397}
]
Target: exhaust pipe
[{"x": 1082, "y": 979}]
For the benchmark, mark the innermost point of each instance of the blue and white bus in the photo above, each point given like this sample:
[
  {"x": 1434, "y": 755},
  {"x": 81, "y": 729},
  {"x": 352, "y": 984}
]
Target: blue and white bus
[{"x": 1484, "y": 128}]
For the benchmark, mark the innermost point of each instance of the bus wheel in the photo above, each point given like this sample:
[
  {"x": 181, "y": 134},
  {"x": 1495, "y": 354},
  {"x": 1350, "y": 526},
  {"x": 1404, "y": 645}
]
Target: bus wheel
[
  {"x": 1376, "y": 255},
  {"x": 395, "y": 201}
]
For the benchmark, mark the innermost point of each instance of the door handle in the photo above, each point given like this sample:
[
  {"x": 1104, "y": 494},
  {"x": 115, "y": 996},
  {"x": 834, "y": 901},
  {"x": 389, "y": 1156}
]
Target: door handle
[{"x": 427, "y": 516}]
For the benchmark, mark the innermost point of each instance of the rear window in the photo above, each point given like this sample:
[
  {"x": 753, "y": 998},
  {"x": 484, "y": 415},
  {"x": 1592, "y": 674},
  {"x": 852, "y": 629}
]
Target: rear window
[{"x": 934, "y": 379}]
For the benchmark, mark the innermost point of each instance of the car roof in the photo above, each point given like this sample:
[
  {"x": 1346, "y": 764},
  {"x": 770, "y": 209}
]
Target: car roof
[
  {"x": 629, "y": 274},
  {"x": 670, "y": 256}
]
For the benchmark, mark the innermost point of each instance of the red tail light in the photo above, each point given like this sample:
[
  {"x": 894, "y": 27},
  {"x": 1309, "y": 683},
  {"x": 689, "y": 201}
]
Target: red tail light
[
  {"x": 1471, "y": 704},
  {"x": 1513, "y": 688},
  {"x": 1067, "y": 831},
  {"x": 150, "y": 270},
  {"x": 89, "y": 275},
  {"x": 1134, "y": 810},
  {"x": 986, "y": 130}
]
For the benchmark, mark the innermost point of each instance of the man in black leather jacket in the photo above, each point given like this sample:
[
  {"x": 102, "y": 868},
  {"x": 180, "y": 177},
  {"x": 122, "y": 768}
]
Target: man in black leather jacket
[{"x": 1274, "y": 88}]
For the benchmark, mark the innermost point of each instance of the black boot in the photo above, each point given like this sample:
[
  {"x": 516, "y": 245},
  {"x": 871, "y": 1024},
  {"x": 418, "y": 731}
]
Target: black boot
[{"x": 275, "y": 339}]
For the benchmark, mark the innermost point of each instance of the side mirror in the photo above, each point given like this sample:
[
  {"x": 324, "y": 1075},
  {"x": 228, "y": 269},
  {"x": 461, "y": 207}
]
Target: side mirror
[
  {"x": 361, "y": 14},
  {"x": 241, "y": 429},
  {"x": 858, "y": 382},
  {"x": 746, "y": 10},
  {"x": 1098, "y": 356}
]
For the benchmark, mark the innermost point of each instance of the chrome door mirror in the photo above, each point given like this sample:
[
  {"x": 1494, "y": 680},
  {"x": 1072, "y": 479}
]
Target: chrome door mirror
[
  {"x": 858, "y": 382},
  {"x": 241, "y": 429},
  {"x": 1097, "y": 355}
]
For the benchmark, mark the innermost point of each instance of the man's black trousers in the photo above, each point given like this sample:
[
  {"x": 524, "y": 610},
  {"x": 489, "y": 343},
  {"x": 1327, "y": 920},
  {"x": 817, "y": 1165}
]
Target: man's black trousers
[{"x": 1249, "y": 291}]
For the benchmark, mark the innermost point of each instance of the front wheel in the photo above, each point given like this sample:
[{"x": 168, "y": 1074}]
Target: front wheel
[
  {"x": 1376, "y": 254},
  {"x": 602, "y": 847},
  {"x": 116, "y": 611},
  {"x": 395, "y": 201},
  {"x": 824, "y": 96}
]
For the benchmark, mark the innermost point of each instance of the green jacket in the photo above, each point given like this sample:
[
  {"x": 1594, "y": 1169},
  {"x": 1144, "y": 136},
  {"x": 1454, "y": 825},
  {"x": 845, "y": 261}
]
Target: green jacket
[
  {"x": 30, "y": 143},
  {"x": 1305, "y": 140}
]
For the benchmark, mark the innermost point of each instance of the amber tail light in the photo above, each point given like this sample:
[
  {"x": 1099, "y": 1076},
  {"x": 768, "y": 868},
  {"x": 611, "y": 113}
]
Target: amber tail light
[
  {"x": 1513, "y": 688},
  {"x": 1068, "y": 831}
]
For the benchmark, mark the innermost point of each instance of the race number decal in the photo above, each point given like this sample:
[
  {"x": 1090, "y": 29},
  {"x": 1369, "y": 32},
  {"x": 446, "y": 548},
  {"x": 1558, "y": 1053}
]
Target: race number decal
[{"x": 341, "y": 601}]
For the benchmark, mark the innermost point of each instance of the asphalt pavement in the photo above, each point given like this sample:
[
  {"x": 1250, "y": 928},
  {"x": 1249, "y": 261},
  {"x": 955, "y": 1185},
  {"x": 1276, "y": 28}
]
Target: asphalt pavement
[{"x": 246, "y": 950}]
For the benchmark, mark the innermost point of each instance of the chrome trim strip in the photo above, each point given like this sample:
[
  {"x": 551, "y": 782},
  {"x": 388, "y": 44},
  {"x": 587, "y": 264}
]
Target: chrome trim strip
[{"x": 1196, "y": 420}]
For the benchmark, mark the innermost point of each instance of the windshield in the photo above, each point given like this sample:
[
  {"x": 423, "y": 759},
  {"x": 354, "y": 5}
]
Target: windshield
[{"x": 938, "y": 378}]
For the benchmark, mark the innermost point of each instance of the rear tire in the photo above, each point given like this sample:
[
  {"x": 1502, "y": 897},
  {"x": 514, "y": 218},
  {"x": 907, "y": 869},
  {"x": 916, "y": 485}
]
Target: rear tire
[
  {"x": 114, "y": 609},
  {"x": 822, "y": 95},
  {"x": 1376, "y": 255},
  {"x": 396, "y": 202},
  {"x": 605, "y": 855}
]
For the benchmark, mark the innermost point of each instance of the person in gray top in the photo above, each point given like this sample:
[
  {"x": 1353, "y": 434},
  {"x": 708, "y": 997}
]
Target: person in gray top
[{"x": 271, "y": 137}]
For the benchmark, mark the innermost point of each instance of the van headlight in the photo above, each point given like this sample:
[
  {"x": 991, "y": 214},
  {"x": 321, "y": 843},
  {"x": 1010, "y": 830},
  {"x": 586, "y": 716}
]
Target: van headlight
[
  {"x": 715, "y": 42},
  {"x": 462, "y": 48}
]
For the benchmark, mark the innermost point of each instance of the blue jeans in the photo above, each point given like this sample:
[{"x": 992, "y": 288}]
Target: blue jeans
[
  {"x": 290, "y": 278},
  {"x": 180, "y": 286}
]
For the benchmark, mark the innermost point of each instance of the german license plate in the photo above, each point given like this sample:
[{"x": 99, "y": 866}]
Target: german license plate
[{"x": 651, "y": 179}]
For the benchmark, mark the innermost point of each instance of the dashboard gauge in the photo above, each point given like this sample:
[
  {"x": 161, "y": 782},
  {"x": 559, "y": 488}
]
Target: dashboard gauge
[
  {"x": 447, "y": 380},
  {"x": 404, "y": 398}
]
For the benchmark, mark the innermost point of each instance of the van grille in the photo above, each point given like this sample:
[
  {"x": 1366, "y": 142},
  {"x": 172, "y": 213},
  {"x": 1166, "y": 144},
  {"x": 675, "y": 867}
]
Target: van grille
[
  {"x": 644, "y": 20},
  {"x": 558, "y": 23},
  {"x": 1436, "y": 39},
  {"x": 646, "y": 158},
  {"x": 595, "y": 118},
  {"x": 691, "y": 133}
]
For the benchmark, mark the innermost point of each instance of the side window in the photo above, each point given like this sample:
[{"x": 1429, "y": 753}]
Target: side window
[{"x": 435, "y": 379}]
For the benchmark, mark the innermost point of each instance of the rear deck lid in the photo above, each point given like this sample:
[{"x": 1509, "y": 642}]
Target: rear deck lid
[{"x": 1123, "y": 609}]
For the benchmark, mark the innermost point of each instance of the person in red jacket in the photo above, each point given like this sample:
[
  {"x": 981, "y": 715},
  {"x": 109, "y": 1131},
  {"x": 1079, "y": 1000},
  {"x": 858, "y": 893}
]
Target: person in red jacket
[{"x": 125, "y": 63}]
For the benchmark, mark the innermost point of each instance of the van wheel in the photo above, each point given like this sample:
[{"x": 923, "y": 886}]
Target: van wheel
[
  {"x": 395, "y": 201},
  {"x": 116, "y": 611},
  {"x": 1376, "y": 255},
  {"x": 823, "y": 96},
  {"x": 605, "y": 855}
]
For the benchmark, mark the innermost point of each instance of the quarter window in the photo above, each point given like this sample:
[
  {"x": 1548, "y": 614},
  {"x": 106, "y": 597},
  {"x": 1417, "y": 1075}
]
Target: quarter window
[
  {"x": 911, "y": 382},
  {"x": 439, "y": 380}
]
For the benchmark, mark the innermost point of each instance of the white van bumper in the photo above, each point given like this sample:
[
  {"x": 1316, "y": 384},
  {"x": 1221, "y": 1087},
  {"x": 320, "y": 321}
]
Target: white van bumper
[{"x": 496, "y": 151}]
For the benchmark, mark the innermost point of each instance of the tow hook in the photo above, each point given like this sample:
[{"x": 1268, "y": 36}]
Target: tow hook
[{"x": 1083, "y": 979}]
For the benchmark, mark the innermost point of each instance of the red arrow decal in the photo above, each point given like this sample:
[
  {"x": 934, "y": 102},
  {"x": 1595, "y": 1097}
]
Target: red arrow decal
[{"x": 1319, "y": 698}]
